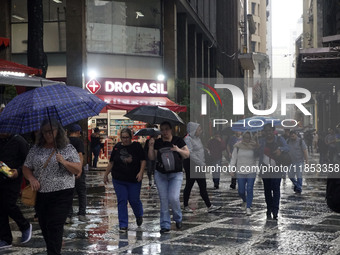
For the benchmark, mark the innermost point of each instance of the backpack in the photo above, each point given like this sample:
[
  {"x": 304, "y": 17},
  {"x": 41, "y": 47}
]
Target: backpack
[
  {"x": 168, "y": 161},
  {"x": 333, "y": 194}
]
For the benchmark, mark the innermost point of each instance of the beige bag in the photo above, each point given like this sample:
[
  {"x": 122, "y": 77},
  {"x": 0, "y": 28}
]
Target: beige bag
[{"x": 28, "y": 196}]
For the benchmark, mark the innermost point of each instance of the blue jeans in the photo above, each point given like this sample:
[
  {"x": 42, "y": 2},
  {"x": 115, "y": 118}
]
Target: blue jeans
[
  {"x": 127, "y": 191},
  {"x": 169, "y": 189},
  {"x": 296, "y": 170},
  {"x": 272, "y": 194},
  {"x": 243, "y": 181},
  {"x": 95, "y": 151}
]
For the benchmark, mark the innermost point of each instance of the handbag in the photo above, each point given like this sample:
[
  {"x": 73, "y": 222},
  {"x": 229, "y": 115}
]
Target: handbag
[{"x": 28, "y": 196}]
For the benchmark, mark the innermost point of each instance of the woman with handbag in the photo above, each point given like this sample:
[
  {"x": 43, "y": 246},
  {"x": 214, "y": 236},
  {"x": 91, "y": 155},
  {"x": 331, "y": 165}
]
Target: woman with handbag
[
  {"x": 50, "y": 167},
  {"x": 127, "y": 163},
  {"x": 168, "y": 151}
]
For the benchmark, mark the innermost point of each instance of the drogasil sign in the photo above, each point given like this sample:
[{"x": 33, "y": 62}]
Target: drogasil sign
[{"x": 130, "y": 86}]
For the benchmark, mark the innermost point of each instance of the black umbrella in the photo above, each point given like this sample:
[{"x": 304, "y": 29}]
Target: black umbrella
[
  {"x": 148, "y": 132},
  {"x": 154, "y": 115}
]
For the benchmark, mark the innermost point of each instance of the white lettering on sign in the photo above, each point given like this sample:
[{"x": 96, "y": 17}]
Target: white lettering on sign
[{"x": 136, "y": 87}]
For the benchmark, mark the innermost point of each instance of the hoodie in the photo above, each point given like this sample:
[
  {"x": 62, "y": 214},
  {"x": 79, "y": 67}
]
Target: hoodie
[{"x": 194, "y": 144}]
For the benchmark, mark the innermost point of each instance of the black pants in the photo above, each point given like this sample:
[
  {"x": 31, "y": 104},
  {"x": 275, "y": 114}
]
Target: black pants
[
  {"x": 9, "y": 193},
  {"x": 202, "y": 184},
  {"x": 52, "y": 209},
  {"x": 80, "y": 189},
  {"x": 272, "y": 194}
]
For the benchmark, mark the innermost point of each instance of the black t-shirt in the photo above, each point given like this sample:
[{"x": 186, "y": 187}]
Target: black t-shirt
[
  {"x": 78, "y": 144},
  {"x": 122, "y": 171},
  {"x": 95, "y": 141},
  {"x": 159, "y": 143},
  {"x": 13, "y": 151}
]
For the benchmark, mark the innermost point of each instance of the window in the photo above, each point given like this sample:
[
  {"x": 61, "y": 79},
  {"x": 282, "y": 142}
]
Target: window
[
  {"x": 124, "y": 27},
  {"x": 253, "y": 46},
  {"x": 253, "y": 7},
  {"x": 54, "y": 26}
]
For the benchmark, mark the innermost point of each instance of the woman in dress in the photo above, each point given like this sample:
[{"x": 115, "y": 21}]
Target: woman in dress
[{"x": 50, "y": 167}]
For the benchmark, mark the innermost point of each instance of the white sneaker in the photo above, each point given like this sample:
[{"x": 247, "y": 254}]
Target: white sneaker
[
  {"x": 213, "y": 208},
  {"x": 248, "y": 211},
  {"x": 187, "y": 209}
]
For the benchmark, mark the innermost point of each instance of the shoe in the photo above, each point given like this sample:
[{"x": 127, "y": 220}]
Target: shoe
[
  {"x": 123, "y": 230},
  {"x": 153, "y": 186},
  {"x": 187, "y": 209},
  {"x": 139, "y": 221},
  {"x": 232, "y": 186},
  {"x": 298, "y": 191},
  {"x": 248, "y": 211},
  {"x": 26, "y": 234},
  {"x": 179, "y": 225},
  {"x": 275, "y": 216},
  {"x": 4, "y": 245},
  {"x": 213, "y": 208},
  {"x": 269, "y": 214},
  {"x": 68, "y": 220},
  {"x": 83, "y": 218},
  {"x": 216, "y": 186},
  {"x": 164, "y": 230}
]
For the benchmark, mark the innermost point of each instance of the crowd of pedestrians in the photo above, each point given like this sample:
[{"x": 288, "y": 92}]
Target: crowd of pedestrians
[{"x": 54, "y": 168}]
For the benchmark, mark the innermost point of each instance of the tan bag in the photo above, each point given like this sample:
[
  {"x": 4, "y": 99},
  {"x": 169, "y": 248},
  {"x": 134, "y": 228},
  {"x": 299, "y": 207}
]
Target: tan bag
[{"x": 28, "y": 196}]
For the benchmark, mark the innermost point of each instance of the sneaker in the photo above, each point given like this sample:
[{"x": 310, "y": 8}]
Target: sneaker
[
  {"x": 139, "y": 221},
  {"x": 232, "y": 186},
  {"x": 187, "y": 209},
  {"x": 68, "y": 220},
  {"x": 164, "y": 230},
  {"x": 216, "y": 186},
  {"x": 26, "y": 234},
  {"x": 123, "y": 230},
  {"x": 4, "y": 245},
  {"x": 83, "y": 218},
  {"x": 248, "y": 211},
  {"x": 275, "y": 216},
  {"x": 213, "y": 208},
  {"x": 269, "y": 214},
  {"x": 179, "y": 225}
]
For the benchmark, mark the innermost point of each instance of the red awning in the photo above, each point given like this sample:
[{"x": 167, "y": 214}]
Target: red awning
[
  {"x": 15, "y": 67},
  {"x": 130, "y": 102},
  {"x": 4, "y": 41}
]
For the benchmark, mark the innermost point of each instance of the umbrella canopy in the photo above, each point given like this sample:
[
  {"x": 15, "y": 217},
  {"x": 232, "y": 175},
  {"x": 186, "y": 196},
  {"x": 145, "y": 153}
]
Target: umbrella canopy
[
  {"x": 148, "y": 132},
  {"x": 67, "y": 104},
  {"x": 253, "y": 124},
  {"x": 154, "y": 115}
]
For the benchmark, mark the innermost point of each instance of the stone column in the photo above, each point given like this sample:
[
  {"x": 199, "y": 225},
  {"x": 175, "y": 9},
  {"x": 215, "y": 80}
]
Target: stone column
[
  {"x": 192, "y": 52},
  {"x": 200, "y": 58}
]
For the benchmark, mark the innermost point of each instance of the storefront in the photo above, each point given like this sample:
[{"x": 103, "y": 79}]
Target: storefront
[{"x": 123, "y": 95}]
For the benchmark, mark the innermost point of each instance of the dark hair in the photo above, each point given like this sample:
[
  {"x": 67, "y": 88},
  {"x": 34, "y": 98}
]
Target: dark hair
[
  {"x": 126, "y": 130},
  {"x": 96, "y": 130},
  {"x": 269, "y": 125},
  {"x": 164, "y": 123},
  {"x": 61, "y": 139},
  {"x": 293, "y": 132}
]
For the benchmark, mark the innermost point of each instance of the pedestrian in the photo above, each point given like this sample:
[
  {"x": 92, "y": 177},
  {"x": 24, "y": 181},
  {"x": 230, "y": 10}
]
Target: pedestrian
[
  {"x": 330, "y": 141},
  {"x": 150, "y": 164},
  {"x": 323, "y": 148},
  {"x": 127, "y": 163},
  {"x": 13, "y": 151},
  {"x": 243, "y": 158},
  {"x": 95, "y": 146},
  {"x": 196, "y": 158},
  {"x": 299, "y": 155},
  {"x": 230, "y": 147},
  {"x": 50, "y": 167},
  {"x": 80, "y": 182},
  {"x": 271, "y": 147},
  {"x": 286, "y": 134},
  {"x": 308, "y": 136},
  {"x": 216, "y": 146},
  {"x": 168, "y": 175},
  {"x": 315, "y": 141}
]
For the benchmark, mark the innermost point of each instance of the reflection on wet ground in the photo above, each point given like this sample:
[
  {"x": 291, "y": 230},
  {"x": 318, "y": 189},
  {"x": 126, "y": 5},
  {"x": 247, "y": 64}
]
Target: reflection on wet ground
[{"x": 305, "y": 224}]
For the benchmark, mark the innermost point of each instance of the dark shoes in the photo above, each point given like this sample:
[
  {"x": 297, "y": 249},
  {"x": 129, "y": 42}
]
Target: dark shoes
[
  {"x": 26, "y": 234},
  {"x": 179, "y": 225},
  {"x": 216, "y": 186},
  {"x": 275, "y": 216},
  {"x": 139, "y": 221},
  {"x": 269, "y": 214},
  {"x": 164, "y": 230},
  {"x": 232, "y": 186},
  {"x": 123, "y": 230}
]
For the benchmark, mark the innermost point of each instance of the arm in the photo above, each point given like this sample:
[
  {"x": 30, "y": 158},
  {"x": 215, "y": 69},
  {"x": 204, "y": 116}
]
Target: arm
[
  {"x": 234, "y": 158},
  {"x": 81, "y": 162},
  {"x": 30, "y": 177},
  {"x": 73, "y": 167},
  {"x": 184, "y": 151},
  {"x": 283, "y": 144},
  {"x": 193, "y": 157},
  {"x": 139, "y": 176},
  {"x": 305, "y": 155},
  {"x": 107, "y": 171}
]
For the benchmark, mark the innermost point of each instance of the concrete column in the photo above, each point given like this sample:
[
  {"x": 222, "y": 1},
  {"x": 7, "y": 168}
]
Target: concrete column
[
  {"x": 170, "y": 46},
  {"x": 212, "y": 53},
  {"x": 206, "y": 60},
  {"x": 75, "y": 42},
  {"x": 200, "y": 58},
  {"x": 5, "y": 27},
  {"x": 192, "y": 52},
  {"x": 182, "y": 46}
]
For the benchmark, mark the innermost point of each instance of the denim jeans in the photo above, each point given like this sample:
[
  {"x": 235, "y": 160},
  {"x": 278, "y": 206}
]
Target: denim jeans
[
  {"x": 95, "y": 151},
  {"x": 169, "y": 189},
  {"x": 246, "y": 183},
  {"x": 127, "y": 191},
  {"x": 296, "y": 170},
  {"x": 272, "y": 193}
]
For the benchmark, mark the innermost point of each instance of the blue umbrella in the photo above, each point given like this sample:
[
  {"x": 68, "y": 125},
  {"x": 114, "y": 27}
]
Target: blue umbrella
[
  {"x": 67, "y": 104},
  {"x": 253, "y": 124}
]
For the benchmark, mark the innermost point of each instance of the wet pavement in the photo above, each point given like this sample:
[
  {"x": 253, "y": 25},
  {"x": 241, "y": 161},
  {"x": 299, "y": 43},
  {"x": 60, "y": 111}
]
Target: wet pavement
[{"x": 305, "y": 224}]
